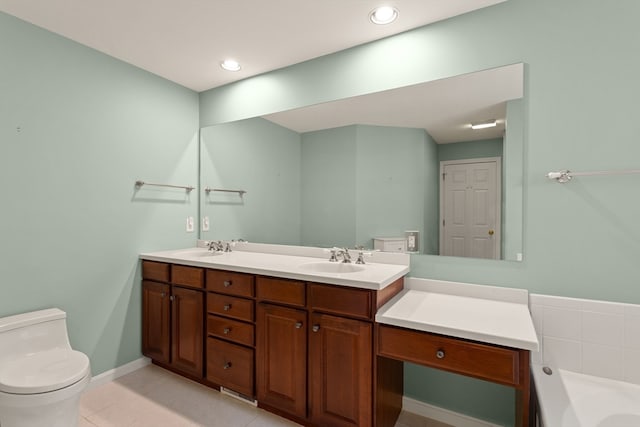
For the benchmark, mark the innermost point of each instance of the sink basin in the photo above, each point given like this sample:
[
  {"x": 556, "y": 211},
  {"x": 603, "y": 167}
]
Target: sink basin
[{"x": 331, "y": 267}]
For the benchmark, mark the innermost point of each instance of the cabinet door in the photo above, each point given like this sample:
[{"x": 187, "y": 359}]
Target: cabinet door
[
  {"x": 340, "y": 371},
  {"x": 155, "y": 320},
  {"x": 281, "y": 358},
  {"x": 187, "y": 330}
]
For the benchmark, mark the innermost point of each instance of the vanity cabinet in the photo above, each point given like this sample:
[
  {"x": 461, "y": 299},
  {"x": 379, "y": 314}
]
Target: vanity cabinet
[
  {"x": 303, "y": 350},
  {"x": 230, "y": 331},
  {"x": 340, "y": 371},
  {"x": 281, "y": 358},
  {"x": 320, "y": 371},
  {"x": 172, "y": 312}
]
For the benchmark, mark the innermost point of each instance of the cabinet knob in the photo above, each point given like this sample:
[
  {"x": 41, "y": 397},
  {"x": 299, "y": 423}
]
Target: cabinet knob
[
  {"x": 440, "y": 354},
  {"x": 298, "y": 325},
  {"x": 315, "y": 328},
  {"x": 227, "y": 283},
  {"x": 226, "y": 331},
  {"x": 227, "y": 307},
  {"x": 227, "y": 365},
  {"x": 171, "y": 298},
  {"x": 162, "y": 295}
]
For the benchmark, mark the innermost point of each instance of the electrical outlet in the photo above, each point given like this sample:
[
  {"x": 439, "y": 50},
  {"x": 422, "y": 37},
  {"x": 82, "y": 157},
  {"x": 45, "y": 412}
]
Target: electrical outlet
[
  {"x": 190, "y": 226},
  {"x": 205, "y": 223}
]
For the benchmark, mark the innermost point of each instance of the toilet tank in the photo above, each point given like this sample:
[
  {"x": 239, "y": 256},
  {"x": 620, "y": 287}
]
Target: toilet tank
[{"x": 33, "y": 332}]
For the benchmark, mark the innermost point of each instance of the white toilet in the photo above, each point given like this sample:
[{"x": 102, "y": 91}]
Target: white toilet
[{"x": 41, "y": 377}]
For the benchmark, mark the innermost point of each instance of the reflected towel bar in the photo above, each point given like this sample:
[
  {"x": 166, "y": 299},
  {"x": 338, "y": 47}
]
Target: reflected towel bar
[
  {"x": 141, "y": 183},
  {"x": 566, "y": 175},
  {"x": 240, "y": 192}
]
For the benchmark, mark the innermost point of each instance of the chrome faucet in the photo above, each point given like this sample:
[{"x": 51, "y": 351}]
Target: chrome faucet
[
  {"x": 346, "y": 256},
  {"x": 216, "y": 246}
]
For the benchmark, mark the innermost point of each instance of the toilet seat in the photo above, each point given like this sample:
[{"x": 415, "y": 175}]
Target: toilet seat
[{"x": 43, "y": 371}]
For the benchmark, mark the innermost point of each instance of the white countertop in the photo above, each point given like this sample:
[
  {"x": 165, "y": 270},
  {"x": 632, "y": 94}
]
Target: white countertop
[
  {"x": 245, "y": 259},
  {"x": 476, "y": 312}
]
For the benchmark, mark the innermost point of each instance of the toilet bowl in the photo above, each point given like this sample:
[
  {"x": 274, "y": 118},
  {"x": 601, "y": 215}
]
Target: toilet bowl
[{"x": 41, "y": 376}]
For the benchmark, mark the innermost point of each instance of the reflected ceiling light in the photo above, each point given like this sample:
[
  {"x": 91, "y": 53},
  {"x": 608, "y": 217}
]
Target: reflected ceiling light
[
  {"x": 484, "y": 125},
  {"x": 230, "y": 65},
  {"x": 383, "y": 15}
]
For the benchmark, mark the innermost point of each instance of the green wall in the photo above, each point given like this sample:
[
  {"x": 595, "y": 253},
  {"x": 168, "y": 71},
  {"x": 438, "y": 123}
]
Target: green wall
[
  {"x": 580, "y": 239},
  {"x": 329, "y": 187},
  {"x": 77, "y": 129},
  {"x": 262, "y": 159},
  {"x": 470, "y": 150}
]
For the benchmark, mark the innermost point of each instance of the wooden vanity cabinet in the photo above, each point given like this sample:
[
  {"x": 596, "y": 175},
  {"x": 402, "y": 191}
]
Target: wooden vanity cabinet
[
  {"x": 156, "y": 321},
  {"x": 230, "y": 331},
  {"x": 172, "y": 312},
  {"x": 340, "y": 371},
  {"x": 331, "y": 384},
  {"x": 281, "y": 358},
  {"x": 303, "y": 350}
]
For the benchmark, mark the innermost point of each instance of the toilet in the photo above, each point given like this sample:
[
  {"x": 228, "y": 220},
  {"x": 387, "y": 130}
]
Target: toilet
[{"x": 41, "y": 376}]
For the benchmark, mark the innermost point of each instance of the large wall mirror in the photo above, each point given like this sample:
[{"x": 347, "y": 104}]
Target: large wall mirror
[{"x": 377, "y": 170}]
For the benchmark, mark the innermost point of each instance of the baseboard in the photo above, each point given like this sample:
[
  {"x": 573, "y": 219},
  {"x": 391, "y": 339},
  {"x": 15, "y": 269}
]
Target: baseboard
[
  {"x": 112, "y": 374},
  {"x": 443, "y": 415}
]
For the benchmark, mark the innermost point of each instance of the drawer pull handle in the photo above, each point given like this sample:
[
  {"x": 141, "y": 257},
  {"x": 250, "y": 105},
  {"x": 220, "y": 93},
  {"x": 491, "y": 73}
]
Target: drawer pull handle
[
  {"x": 298, "y": 325},
  {"x": 226, "y": 331},
  {"x": 315, "y": 328},
  {"x": 227, "y": 365},
  {"x": 227, "y": 283},
  {"x": 440, "y": 354},
  {"x": 227, "y": 307}
]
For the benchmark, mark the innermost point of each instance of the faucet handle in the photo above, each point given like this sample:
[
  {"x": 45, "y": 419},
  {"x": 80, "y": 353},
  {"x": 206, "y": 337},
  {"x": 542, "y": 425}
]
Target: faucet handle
[
  {"x": 334, "y": 254},
  {"x": 361, "y": 256}
]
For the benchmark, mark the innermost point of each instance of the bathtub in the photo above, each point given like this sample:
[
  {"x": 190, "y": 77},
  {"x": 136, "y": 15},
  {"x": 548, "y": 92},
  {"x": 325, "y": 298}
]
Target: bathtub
[{"x": 569, "y": 399}]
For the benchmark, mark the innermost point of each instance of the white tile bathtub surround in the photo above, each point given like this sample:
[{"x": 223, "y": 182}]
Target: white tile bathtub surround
[{"x": 592, "y": 337}]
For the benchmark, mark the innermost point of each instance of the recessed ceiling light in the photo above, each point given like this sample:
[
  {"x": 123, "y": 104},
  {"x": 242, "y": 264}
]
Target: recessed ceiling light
[
  {"x": 383, "y": 15},
  {"x": 230, "y": 65},
  {"x": 484, "y": 125}
]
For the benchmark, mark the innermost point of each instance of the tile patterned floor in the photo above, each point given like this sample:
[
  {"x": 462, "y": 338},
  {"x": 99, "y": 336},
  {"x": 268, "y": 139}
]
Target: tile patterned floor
[{"x": 154, "y": 397}]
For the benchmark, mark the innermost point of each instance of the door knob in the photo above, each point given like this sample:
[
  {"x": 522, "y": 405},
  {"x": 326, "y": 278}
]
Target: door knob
[{"x": 491, "y": 232}]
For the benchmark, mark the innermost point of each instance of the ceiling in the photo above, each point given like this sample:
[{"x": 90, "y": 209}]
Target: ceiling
[
  {"x": 184, "y": 41},
  {"x": 444, "y": 108}
]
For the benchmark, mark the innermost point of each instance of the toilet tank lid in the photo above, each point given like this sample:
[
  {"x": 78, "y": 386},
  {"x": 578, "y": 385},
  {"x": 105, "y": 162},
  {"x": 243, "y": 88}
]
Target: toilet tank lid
[{"x": 25, "y": 319}]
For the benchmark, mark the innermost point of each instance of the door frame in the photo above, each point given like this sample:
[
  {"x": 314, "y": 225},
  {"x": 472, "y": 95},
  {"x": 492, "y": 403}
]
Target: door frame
[{"x": 498, "y": 229}]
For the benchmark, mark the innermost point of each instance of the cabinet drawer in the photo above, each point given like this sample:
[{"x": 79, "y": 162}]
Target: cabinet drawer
[
  {"x": 230, "y": 365},
  {"x": 493, "y": 363},
  {"x": 228, "y": 306},
  {"x": 230, "y": 283},
  {"x": 280, "y": 290},
  {"x": 341, "y": 300},
  {"x": 231, "y": 330},
  {"x": 187, "y": 276},
  {"x": 158, "y": 271}
]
